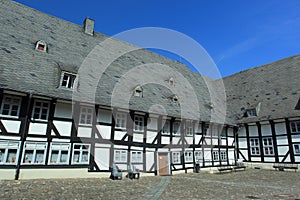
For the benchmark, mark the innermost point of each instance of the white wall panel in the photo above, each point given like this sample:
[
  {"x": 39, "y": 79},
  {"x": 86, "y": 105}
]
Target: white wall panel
[
  {"x": 280, "y": 128},
  {"x": 37, "y": 129},
  {"x": 266, "y": 130},
  {"x": 152, "y": 124},
  {"x": 11, "y": 126},
  {"x": 282, "y": 140},
  {"x": 84, "y": 132},
  {"x": 102, "y": 158},
  {"x": 151, "y": 136},
  {"x": 242, "y": 132},
  {"x": 64, "y": 128},
  {"x": 165, "y": 140},
  {"x": 104, "y": 131},
  {"x": 253, "y": 131},
  {"x": 282, "y": 150},
  {"x": 119, "y": 135}
]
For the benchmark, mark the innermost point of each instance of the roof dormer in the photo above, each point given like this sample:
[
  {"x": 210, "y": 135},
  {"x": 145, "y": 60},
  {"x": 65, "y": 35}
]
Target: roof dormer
[
  {"x": 138, "y": 91},
  {"x": 41, "y": 46}
]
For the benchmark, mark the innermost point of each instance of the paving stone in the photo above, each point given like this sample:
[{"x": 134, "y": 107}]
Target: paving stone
[{"x": 249, "y": 184}]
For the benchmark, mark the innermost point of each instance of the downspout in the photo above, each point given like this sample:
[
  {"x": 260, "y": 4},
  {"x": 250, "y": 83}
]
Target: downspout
[{"x": 23, "y": 137}]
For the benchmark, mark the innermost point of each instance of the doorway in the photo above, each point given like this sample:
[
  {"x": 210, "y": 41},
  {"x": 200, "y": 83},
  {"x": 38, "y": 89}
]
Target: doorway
[{"x": 163, "y": 164}]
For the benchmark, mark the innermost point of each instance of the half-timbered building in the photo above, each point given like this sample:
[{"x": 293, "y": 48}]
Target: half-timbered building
[{"x": 67, "y": 109}]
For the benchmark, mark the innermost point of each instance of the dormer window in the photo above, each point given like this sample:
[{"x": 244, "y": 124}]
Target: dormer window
[
  {"x": 251, "y": 113},
  {"x": 67, "y": 80},
  {"x": 174, "y": 98},
  {"x": 171, "y": 82},
  {"x": 138, "y": 91},
  {"x": 41, "y": 46}
]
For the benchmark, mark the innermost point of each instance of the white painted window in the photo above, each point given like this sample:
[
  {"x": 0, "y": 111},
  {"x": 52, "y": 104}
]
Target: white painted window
[
  {"x": 41, "y": 46},
  {"x": 254, "y": 146},
  {"x": 120, "y": 156},
  {"x": 189, "y": 128},
  {"x": 139, "y": 123},
  {"x": 67, "y": 80},
  {"x": 59, "y": 153},
  {"x": 251, "y": 112},
  {"x": 10, "y": 106},
  {"x": 86, "y": 115},
  {"x": 297, "y": 148},
  {"x": 295, "y": 127},
  {"x": 215, "y": 155},
  {"x": 198, "y": 156},
  {"x": 136, "y": 156},
  {"x": 138, "y": 91},
  {"x": 176, "y": 157},
  {"x": 223, "y": 155},
  {"x": 188, "y": 156},
  {"x": 34, "y": 153},
  {"x": 121, "y": 120},
  {"x": 166, "y": 128},
  {"x": 40, "y": 110},
  {"x": 9, "y": 152},
  {"x": 268, "y": 146},
  {"x": 176, "y": 128},
  {"x": 81, "y": 153}
]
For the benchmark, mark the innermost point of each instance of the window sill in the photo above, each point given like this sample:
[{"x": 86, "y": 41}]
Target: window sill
[{"x": 9, "y": 116}]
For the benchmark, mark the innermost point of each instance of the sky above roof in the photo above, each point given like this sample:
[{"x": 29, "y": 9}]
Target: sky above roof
[{"x": 236, "y": 34}]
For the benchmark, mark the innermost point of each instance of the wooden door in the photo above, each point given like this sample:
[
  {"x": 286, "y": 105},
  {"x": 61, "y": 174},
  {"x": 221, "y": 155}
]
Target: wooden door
[{"x": 163, "y": 164}]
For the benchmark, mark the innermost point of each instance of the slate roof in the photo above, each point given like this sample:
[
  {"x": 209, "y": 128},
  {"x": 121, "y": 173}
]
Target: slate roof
[
  {"x": 272, "y": 89},
  {"x": 109, "y": 70}
]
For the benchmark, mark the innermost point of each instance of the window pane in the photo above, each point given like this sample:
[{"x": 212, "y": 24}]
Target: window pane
[
  {"x": 64, "y": 157},
  {"x": 28, "y": 158},
  {"x": 39, "y": 158},
  {"x": 54, "y": 156},
  {"x": 76, "y": 156},
  {"x": 85, "y": 156}
]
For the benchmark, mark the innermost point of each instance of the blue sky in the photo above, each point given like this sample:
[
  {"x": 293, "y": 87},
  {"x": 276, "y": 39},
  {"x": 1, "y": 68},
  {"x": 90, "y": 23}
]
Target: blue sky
[{"x": 237, "y": 34}]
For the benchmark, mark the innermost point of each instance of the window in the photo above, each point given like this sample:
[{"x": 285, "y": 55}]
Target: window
[
  {"x": 121, "y": 119},
  {"x": 297, "y": 148},
  {"x": 295, "y": 127},
  {"x": 139, "y": 123},
  {"x": 254, "y": 146},
  {"x": 171, "y": 82},
  {"x": 268, "y": 146},
  {"x": 81, "y": 153},
  {"x": 176, "y": 157},
  {"x": 176, "y": 128},
  {"x": 189, "y": 128},
  {"x": 86, "y": 115},
  {"x": 188, "y": 156},
  {"x": 136, "y": 156},
  {"x": 223, "y": 155},
  {"x": 251, "y": 112},
  {"x": 41, "y": 46},
  {"x": 59, "y": 153},
  {"x": 166, "y": 128},
  {"x": 10, "y": 106},
  {"x": 34, "y": 153},
  {"x": 9, "y": 152},
  {"x": 198, "y": 156},
  {"x": 138, "y": 91},
  {"x": 40, "y": 110},
  {"x": 120, "y": 156},
  {"x": 67, "y": 80},
  {"x": 174, "y": 98},
  {"x": 215, "y": 155}
]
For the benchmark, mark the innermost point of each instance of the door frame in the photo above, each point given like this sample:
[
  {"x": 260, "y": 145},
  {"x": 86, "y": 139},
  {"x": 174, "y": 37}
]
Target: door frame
[{"x": 169, "y": 162}]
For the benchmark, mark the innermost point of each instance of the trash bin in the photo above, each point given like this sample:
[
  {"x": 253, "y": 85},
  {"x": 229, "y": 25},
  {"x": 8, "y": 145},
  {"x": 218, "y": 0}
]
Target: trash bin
[{"x": 197, "y": 168}]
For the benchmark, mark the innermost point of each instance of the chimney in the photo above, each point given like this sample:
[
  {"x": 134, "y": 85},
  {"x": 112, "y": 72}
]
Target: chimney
[{"x": 89, "y": 26}]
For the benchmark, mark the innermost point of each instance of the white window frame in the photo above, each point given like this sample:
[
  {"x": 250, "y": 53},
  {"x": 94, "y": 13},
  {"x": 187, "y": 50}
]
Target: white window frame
[
  {"x": 188, "y": 156},
  {"x": 176, "y": 157},
  {"x": 166, "y": 128},
  {"x": 121, "y": 120},
  {"x": 198, "y": 156},
  {"x": 136, "y": 156},
  {"x": 268, "y": 146},
  {"x": 68, "y": 80},
  {"x": 296, "y": 149},
  {"x": 295, "y": 126},
  {"x": 41, "y": 42},
  {"x": 138, "y": 91},
  {"x": 215, "y": 156},
  {"x": 41, "y": 108},
  {"x": 86, "y": 115},
  {"x": 254, "y": 146},
  {"x": 120, "y": 156},
  {"x": 35, "y": 157},
  {"x": 82, "y": 157},
  {"x": 189, "y": 128},
  {"x": 176, "y": 125},
  {"x": 60, "y": 148},
  {"x": 11, "y": 105},
  {"x": 223, "y": 155},
  {"x": 6, "y": 158},
  {"x": 138, "y": 123}
]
